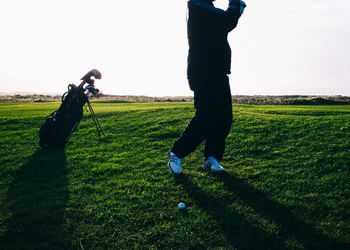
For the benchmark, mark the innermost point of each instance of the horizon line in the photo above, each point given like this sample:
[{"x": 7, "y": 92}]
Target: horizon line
[{"x": 24, "y": 93}]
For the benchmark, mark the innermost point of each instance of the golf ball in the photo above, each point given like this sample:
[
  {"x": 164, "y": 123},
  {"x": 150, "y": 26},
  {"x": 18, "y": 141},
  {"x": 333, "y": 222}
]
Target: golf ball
[{"x": 181, "y": 206}]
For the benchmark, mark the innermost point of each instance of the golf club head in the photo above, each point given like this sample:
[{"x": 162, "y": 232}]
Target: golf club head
[
  {"x": 87, "y": 78},
  {"x": 243, "y": 4},
  {"x": 91, "y": 89}
]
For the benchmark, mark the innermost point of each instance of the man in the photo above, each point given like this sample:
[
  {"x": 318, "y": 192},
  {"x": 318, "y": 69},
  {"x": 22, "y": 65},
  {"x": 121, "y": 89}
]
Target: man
[{"x": 209, "y": 63}]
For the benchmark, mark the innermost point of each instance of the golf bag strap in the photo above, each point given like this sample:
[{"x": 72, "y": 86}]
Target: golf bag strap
[{"x": 64, "y": 96}]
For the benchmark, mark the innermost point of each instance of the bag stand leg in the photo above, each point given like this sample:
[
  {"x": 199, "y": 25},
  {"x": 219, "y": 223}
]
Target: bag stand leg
[{"x": 96, "y": 122}]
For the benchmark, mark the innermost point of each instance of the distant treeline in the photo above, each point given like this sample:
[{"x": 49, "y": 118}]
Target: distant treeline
[{"x": 238, "y": 99}]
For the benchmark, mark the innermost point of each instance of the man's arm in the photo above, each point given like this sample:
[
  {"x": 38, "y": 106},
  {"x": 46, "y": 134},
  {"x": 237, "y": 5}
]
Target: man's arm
[{"x": 227, "y": 18}]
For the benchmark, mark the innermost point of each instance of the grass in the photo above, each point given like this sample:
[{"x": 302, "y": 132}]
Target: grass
[{"x": 286, "y": 184}]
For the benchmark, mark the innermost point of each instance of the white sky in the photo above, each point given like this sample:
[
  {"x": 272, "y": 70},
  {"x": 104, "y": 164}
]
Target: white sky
[{"x": 279, "y": 46}]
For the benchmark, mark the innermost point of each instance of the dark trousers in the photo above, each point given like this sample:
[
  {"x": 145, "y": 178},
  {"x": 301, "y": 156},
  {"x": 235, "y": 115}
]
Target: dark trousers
[{"x": 213, "y": 118}]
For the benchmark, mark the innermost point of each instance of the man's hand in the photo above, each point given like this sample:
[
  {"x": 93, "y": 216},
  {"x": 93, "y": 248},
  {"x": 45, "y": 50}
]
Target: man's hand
[{"x": 242, "y": 6}]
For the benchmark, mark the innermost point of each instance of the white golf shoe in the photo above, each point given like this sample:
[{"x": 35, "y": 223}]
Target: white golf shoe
[
  {"x": 175, "y": 163},
  {"x": 212, "y": 165}
]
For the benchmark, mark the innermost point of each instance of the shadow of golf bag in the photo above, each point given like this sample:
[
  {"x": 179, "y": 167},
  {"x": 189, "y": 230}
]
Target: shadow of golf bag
[{"x": 60, "y": 124}]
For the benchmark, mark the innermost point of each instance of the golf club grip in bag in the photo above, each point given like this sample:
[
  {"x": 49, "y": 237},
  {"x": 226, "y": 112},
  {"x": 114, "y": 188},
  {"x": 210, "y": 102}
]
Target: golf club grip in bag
[{"x": 60, "y": 125}]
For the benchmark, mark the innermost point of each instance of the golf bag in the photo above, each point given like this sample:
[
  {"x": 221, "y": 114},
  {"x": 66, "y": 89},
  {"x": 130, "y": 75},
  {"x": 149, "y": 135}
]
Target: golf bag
[{"x": 60, "y": 124}]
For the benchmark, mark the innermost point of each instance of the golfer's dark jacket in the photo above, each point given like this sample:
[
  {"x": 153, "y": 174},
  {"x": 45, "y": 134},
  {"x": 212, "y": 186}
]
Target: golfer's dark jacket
[{"x": 208, "y": 27}]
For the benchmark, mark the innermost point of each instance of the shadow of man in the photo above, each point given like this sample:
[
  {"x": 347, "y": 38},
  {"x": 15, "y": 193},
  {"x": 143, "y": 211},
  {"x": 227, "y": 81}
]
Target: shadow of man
[
  {"x": 36, "y": 202},
  {"x": 291, "y": 227},
  {"x": 242, "y": 234},
  {"x": 236, "y": 230}
]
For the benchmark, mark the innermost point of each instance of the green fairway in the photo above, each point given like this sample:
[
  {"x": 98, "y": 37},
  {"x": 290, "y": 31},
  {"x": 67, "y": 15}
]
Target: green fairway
[{"x": 286, "y": 184}]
